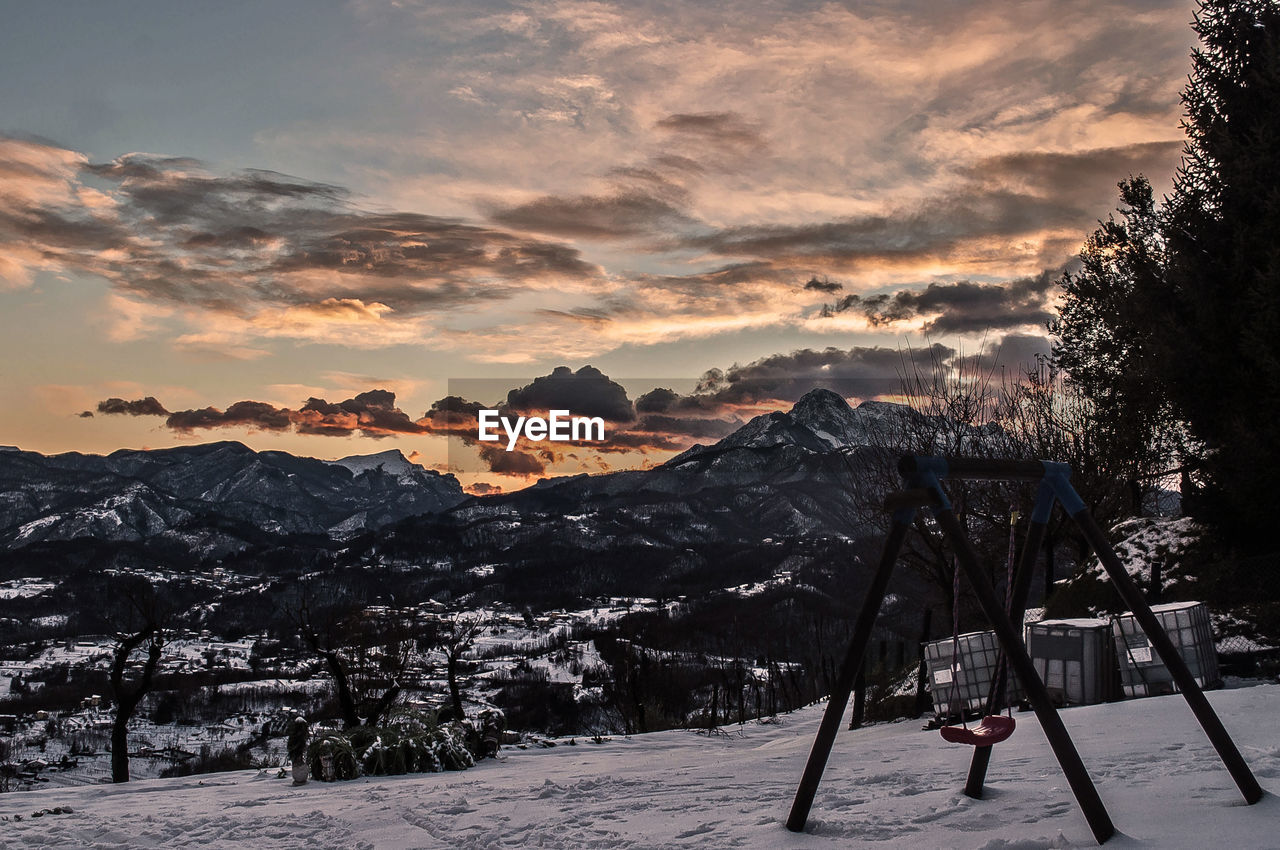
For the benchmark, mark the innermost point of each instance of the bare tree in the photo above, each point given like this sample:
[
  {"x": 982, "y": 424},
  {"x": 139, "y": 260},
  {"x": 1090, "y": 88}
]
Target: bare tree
[
  {"x": 139, "y": 628},
  {"x": 1044, "y": 415},
  {"x": 951, "y": 404},
  {"x": 368, "y": 651},
  {"x": 456, "y": 636}
]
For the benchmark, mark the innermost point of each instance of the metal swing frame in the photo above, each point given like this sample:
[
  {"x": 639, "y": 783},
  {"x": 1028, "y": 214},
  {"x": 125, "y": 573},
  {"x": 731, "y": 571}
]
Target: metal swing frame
[{"x": 923, "y": 476}]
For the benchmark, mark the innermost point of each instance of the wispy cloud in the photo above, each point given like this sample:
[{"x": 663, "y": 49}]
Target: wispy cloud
[
  {"x": 563, "y": 178},
  {"x": 963, "y": 307}
]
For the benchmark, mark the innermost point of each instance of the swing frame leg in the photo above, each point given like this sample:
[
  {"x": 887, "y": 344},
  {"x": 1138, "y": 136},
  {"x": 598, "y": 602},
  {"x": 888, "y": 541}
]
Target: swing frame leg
[
  {"x": 1021, "y": 588},
  {"x": 1169, "y": 654},
  {"x": 839, "y": 698},
  {"x": 1059, "y": 740}
]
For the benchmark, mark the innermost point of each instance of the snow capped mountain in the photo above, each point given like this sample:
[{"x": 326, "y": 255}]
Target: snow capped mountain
[
  {"x": 819, "y": 422},
  {"x": 392, "y": 462},
  {"x": 219, "y": 490},
  {"x": 797, "y": 474},
  {"x": 788, "y": 473}
]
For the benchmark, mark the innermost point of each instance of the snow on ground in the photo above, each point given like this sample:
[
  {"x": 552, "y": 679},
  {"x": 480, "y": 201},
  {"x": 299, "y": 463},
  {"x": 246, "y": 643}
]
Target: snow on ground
[
  {"x": 24, "y": 588},
  {"x": 885, "y": 786}
]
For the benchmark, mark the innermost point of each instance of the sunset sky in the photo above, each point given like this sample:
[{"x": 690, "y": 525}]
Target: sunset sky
[{"x": 258, "y": 221}]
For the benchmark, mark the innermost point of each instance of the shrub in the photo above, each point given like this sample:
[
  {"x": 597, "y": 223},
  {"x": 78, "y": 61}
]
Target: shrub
[
  {"x": 332, "y": 757},
  {"x": 411, "y": 744}
]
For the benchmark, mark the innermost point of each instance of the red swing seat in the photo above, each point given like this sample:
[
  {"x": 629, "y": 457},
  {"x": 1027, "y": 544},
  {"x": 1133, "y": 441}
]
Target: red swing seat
[{"x": 993, "y": 729}]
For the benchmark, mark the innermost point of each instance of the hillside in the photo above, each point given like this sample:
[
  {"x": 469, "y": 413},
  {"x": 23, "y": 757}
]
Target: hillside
[
  {"x": 885, "y": 786},
  {"x": 207, "y": 499}
]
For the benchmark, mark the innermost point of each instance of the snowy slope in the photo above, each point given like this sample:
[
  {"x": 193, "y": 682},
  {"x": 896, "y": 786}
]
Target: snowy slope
[
  {"x": 391, "y": 461},
  {"x": 885, "y": 786}
]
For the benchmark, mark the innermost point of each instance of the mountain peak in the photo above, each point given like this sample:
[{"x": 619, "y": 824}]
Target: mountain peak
[
  {"x": 819, "y": 402},
  {"x": 829, "y": 417},
  {"x": 820, "y": 421},
  {"x": 392, "y": 462}
]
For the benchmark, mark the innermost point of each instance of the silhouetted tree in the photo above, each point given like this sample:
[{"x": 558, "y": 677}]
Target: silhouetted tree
[
  {"x": 456, "y": 637},
  {"x": 366, "y": 650},
  {"x": 1221, "y": 226},
  {"x": 138, "y": 618},
  {"x": 1112, "y": 345}
]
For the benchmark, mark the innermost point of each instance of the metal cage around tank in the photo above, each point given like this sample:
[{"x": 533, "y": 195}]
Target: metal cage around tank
[
  {"x": 1074, "y": 658},
  {"x": 1143, "y": 673},
  {"x": 967, "y": 685}
]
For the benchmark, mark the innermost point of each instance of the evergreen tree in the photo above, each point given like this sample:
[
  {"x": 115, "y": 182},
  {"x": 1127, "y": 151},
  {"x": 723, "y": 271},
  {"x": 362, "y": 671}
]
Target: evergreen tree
[
  {"x": 1109, "y": 341},
  {"x": 1222, "y": 234}
]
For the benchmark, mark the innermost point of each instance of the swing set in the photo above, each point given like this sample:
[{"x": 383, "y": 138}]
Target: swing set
[
  {"x": 993, "y": 728},
  {"x": 923, "y": 476}
]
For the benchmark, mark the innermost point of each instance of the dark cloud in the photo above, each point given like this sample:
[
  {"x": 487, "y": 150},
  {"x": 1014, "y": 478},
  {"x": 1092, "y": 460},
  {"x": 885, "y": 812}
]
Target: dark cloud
[
  {"x": 587, "y": 392},
  {"x": 453, "y": 413},
  {"x": 728, "y": 277},
  {"x": 823, "y": 285},
  {"x": 860, "y": 372},
  {"x": 581, "y": 315},
  {"x": 443, "y": 251},
  {"x": 503, "y": 462},
  {"x": 257, "y": 415},
  {"x": 934, "y": 229},
  {"x": 1016, "y": 352},
  {"x": 377, "y": 411},
  {"x": 621, "y": 215},
  {"x": 961, "y": 307},
  {"x": 663, "y": 400},
  {"x": 148, "y": 406},
  {"x": 651, "y": 199},
  {"x": 725, "y": 131},
  {"x": 373, "y": 414},
  {"x": 1013, "y": 195},
  {"x": 1079, "y": 174},
  {"x": 674, "y": 163},
  {"x": 235, "y": 242},
  {"x": 657, "y": 400}
]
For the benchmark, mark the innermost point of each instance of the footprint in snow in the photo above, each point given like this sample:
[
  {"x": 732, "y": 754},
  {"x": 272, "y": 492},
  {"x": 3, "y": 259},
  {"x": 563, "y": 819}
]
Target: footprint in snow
[{"x": 702, "y": 829}]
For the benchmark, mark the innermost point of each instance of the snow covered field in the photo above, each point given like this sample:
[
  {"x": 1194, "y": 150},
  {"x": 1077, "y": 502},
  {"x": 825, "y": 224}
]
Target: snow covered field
[{"x": 885, "y": 786}]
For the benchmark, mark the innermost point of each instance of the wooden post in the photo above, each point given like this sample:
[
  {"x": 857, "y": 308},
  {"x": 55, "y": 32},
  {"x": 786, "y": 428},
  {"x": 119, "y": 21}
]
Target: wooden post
[
  {"x": 1063, "y": 747},
  {"x": 859, "y": 697},
  {"x": 1021, "y": 588},
  {"x": 826, "y": 736},
  {"x": 922, "y": 674},
  {"x": 1169, "y": 654}
]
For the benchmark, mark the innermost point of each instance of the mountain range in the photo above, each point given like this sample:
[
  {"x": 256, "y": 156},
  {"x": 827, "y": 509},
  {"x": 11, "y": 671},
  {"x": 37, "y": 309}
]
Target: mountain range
[
  {"x": 212, "y": 497},
  {"x": 714, "y": 515}
]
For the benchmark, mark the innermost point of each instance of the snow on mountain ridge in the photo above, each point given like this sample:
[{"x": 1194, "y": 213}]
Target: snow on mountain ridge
[
  {"x": 819, "y": 421},
  {"x": 392, "y": 462}
]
